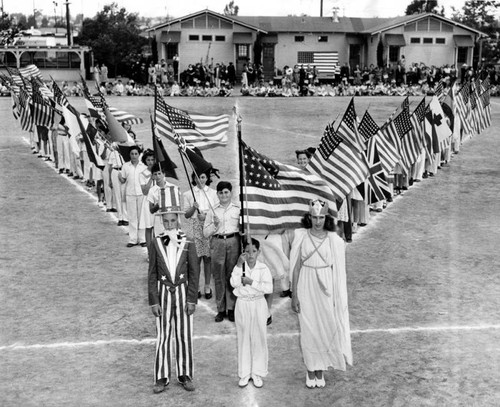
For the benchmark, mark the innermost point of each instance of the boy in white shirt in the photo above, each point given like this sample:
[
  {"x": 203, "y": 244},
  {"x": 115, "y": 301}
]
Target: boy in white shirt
[{"x": 251, "y": 312}]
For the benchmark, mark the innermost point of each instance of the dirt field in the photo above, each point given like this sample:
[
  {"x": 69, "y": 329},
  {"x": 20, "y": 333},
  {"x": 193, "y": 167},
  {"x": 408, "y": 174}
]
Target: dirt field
[{"x": 423, "y": 280}]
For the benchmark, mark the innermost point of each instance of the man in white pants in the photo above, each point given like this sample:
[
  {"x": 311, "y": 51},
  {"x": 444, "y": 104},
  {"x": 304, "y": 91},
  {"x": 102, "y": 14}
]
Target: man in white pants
[{"x": 129, "y": 175}]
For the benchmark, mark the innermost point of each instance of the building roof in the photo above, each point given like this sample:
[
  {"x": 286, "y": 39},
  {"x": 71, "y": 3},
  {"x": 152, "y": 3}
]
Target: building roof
[
  {"x": 199, "y": 13},
  {"x": 300, "y": 24},
  {"x": 403, "y": 20},
  {"x": 312, "y": 24}
]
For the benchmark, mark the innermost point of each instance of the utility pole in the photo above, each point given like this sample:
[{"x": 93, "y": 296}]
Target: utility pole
[
  {"x": 55, "y": 15},
  {"x": 321, "y": 8},
  {"x": 68, "y": 26}
]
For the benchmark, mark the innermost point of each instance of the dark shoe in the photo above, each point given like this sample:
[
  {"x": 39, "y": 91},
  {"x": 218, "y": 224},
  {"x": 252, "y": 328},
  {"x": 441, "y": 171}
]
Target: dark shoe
[
  {"x": 425, "y": 175},
  {"x": 76, "y": 177},
  {"x": 286, "y": 293},
  {"x": 362, "y": 224},
  {"x": 431, "y": 174},
  {"x": 120, "y": 223},
  {"x": 61, "y": 170},
  {"x": 160, "y": 386},
  {"x": 187, "y": 383},
  {"x": 230, "y": 315},
  {"x": 131, "y": 244},
  {"x": 143, "y": 244},
  {"x": 378, "y": 210},
  {"x": 269, "y": 320},
  {"x": 208, "y": 295},
  {"x": 70, "y": 174},
  {"x": 220, "y": 316},
  {"x": 389, "y": 199},
  {"x": 125, "y": 222},
  {"x": 108, "y": 210},
  {"x": 113, "y": 210},
  {"x": 199, "y": 294}
]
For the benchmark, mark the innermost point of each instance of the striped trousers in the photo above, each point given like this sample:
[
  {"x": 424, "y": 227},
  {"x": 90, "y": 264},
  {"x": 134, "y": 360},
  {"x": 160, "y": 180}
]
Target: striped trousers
[{"x": 173, "y": 321}]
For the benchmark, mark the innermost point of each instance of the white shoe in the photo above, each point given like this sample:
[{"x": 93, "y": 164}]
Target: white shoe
[
  {"x": 257, "y": 381},
  {"x": 320, "y": 382},
  {"x": 100, "y": 205},
  {"x": 244, "y": 381},
  {"x": 310, "y": 383}
]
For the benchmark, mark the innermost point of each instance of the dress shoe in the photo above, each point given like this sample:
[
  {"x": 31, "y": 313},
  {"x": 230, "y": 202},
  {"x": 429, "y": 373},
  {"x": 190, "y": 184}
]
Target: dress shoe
[
  {"x": 269, "y": 320},
  {"x": 244, "y": 381},
  {"x": 310, "y": 383},
  {"x": 143, "y": 244},
  {"x": 199, "y": 294},
  {"x": 257, "y": 381},
  {"x": 125, "y": 222},
  {"x": 230, "y": 315},
  {"x": 320, "y": 381},
  {"x": 61, "y": 170},
  {"x": 113, "y": 210},
  {"x": 120, "y": 223},
  {"x": 131, "y": 244},
  {"x": 160, "y": 386},
  {"x": 187, "y": 383},
  {"x": 208, "y": 295},
  {"x": 378, "y": 210},
  {"x": 220, "y": 316}
]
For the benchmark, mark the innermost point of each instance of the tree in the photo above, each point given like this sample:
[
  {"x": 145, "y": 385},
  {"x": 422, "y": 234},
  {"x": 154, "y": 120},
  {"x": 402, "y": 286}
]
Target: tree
[
  {"x": 114, "y": 36},
  {"x": 422, "y": 6},
  {"x": 231, "y": 9},
  {"x": 480, "y": 14}
]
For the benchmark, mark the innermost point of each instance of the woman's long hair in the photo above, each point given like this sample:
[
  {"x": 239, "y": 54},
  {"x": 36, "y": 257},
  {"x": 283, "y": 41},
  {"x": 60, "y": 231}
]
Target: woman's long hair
[{"x": 329, "y": 222}]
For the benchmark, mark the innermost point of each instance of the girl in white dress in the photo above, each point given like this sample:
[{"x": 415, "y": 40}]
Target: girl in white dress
[{"x": 317, "y": 261}]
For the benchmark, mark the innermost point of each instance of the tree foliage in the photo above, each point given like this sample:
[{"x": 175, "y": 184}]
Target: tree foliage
[
  {"x": 231, "y": 9},
  {"x": 114, "y": 36},
  {"x": 423, "y": 6},
  {"x": 480, "y": 14}
]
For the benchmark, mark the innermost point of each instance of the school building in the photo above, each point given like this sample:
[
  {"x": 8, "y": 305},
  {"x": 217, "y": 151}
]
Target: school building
[{"x": 327, "y": 42}]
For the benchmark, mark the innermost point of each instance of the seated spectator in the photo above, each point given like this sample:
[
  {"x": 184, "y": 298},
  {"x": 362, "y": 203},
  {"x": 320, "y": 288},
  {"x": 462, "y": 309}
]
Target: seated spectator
[{"x": 118, "y": 88}]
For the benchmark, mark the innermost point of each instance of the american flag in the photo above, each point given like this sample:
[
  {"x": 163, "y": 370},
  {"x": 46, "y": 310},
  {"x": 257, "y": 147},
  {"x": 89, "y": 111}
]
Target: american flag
[
  {"x": 377, "y": 188},
  {"x": 43, "y": 113},
  {"x": 402, "y": 120},
  {"x": 387, "y": 141},
  {"x": 339, "y": 163},
  {"x": 412, "y": 142},
  {"x": 59, "y": 96},
  {"x": 462, "y": 109},
  {"x": 348, "y": 128},
  {"x": 25, "y": 117},
  {"x": 485, "y": 101},
  {"x": 439, "y": 91},
  {"x": 198, "y": 130},
  {"x": 367, "y": 127},
  {"x": 95, "y": 104},
  {"x": 278, "y": 195}
]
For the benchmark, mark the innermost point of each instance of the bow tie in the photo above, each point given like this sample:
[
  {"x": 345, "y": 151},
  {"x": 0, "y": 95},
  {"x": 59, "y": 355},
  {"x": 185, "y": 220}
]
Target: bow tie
[{"x": 165, "y": 240}]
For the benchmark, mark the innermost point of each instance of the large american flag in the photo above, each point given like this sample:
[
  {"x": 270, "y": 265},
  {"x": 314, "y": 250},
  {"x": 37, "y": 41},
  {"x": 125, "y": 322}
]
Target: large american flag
[
  {"x": 43, "y": 113},
  {"x": 59, "y": 96},
  {"x": 278, "y": 195},
  {"x": 339, "y": 163},
  {"x": 462, "y": 109},
  {"x": 198, "y": 130}
]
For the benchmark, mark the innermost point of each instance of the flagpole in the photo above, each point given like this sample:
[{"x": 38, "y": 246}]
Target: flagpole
[{"x": 242, "y": 182}]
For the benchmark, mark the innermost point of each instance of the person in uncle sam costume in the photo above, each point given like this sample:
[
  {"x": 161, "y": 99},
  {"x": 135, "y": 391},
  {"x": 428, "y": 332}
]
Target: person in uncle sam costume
[
  {"x": 317, "y": 263},
  {"x": 173, "y": 293}
]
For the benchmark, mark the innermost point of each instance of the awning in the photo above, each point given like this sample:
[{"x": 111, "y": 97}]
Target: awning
[
  {"x": 170, "y": 36},
  {"x": 270, "y": 39},
  {"x": 242, "y": 38},
  {"x": 463, "y": 41},
  {"x": 354, "y": 40},
  {"x": 397, "y": 40}
]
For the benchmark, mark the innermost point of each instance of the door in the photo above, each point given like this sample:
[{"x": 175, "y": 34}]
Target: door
[
  {"x": 242, "y": 57},
  {"x": 268, "y": 61}
]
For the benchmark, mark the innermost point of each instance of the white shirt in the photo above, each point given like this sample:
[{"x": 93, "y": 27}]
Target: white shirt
[
  {"x": 206, "y": 198},
  {"x": 229, "y": 220},
  {"x": 262, "y": 281},
  {"x": 132, "y": 174}
]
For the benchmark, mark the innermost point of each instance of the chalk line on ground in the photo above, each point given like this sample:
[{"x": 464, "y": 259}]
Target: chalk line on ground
[{"x": 148, "y": 341}]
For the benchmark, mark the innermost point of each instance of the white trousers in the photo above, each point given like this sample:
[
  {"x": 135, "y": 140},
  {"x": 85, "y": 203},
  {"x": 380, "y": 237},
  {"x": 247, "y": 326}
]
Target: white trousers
[
  {"x": 419, "y": 166},
  {"x": 119, "y": 196},
  {"x": 108, "y": 192},
  {"x": 63, "y": 157},
  {"x": 251, "y": 329},
  {"x": 134, "y": 205}
]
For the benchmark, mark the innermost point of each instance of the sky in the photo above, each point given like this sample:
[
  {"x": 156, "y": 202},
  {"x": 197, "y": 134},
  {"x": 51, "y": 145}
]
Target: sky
[{"x": 179, "y": 8}]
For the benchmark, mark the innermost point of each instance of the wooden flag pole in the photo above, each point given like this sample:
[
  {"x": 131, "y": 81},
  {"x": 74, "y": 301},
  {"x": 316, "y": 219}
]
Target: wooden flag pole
[{"x": 242, "y": 182}]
